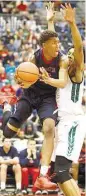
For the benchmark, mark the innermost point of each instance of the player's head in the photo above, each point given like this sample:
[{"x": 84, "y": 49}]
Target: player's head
[
  {"x": 50, "y": 43},
  {"x": 71, "y": 56}
]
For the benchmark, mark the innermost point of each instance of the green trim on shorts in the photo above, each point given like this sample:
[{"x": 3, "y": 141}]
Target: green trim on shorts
[
  {"x": 75, "y": 92},
  {"x": 71, "y": 138}
]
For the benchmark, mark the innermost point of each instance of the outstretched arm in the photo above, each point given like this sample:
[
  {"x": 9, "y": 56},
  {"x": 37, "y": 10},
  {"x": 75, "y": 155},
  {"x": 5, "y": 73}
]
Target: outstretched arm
[
  {"x": 50, "y": 15},
  {"x": 69, "y": 16}
]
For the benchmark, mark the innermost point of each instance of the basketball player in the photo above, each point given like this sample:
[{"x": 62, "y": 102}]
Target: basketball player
[
  {"x": 41, "y": 96},
  {"x": 71, "y": 128}
]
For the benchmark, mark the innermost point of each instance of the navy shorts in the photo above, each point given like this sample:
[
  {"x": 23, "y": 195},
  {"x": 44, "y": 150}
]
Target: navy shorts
[{"x": 45, "y": 108}]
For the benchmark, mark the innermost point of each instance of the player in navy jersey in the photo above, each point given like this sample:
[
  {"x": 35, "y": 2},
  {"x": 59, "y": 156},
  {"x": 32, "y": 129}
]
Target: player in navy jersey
[{"x": 41, "y": 96}]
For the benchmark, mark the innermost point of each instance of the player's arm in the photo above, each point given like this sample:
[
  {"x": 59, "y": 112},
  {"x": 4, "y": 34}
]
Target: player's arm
[
  {"x": 69, "y": 16},
  {"x": 63, "y": 75},
  {"x": 50, "y": 15}
]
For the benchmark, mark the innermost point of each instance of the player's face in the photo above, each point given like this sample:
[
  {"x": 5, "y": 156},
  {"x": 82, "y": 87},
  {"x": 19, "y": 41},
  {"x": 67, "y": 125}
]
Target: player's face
[
  {"x": 52, "y": 47},
  {"x": 71, "y": 56}
]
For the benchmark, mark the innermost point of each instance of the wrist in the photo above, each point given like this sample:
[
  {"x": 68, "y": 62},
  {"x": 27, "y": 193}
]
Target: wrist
[
  {"x": 50, "y": 21},
  {"x": 49, "y": 81},
  {"x": 72, "y": 24}
]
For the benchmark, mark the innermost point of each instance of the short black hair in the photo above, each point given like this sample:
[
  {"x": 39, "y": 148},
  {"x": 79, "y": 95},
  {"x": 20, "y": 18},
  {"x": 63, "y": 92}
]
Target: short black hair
[{"x": 46, "y": 35}]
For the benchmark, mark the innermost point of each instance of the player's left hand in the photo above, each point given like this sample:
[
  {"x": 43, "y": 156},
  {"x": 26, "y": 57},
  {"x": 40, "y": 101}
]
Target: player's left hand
[
  {"x": 50, "y": 11},
  {"x": 44, "y": 75},
  {"x": 68, "y": 13}
]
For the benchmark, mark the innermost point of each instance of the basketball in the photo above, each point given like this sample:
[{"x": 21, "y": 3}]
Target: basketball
[{"x": 27, "y": 72}]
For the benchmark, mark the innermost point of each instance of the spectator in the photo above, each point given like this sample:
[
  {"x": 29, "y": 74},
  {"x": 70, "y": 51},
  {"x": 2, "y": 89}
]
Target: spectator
[
  {"x": 31, "y": 131},
  {"x": 7, "y": 88},
  {"x": 22, "y": 7},
  {"x": 8, "y": 58},
  {"x": 10, "y": 46},
  {"x": 29, "y": 161},
  {"x": 9, "y": 161}
]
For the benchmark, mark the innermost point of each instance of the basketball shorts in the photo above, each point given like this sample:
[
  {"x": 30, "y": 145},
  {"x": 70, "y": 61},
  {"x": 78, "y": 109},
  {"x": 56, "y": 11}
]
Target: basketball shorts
[
  {"x": 45, "y": 108},
  {"x": 70, "y": 138}
]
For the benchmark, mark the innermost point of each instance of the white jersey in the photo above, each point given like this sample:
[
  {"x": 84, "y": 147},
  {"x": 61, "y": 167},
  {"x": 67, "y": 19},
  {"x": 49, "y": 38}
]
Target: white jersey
[
  {"x": 69, "y": 99},
  {"x": 70, "y": 134}
]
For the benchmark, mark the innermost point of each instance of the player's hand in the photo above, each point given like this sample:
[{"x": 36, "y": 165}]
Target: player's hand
[
  {"x": 44, "y": 75},
  {"x": 50, "y": 11},
  {"x": 68, "y": 13}
]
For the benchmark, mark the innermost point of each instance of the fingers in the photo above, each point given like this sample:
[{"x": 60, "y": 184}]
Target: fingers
[
  {"x": 67, "y": 6},
  {"x": 43, "y": 71},
  {"x": 50, "y": 5},
  {"x": 62, "y": 6},
  {"x": 63, "y": 12},
  {"x": 44, "y": 75}
]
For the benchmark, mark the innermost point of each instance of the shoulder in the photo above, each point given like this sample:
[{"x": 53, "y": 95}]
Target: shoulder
[
  {"x": 13, "y": 149},
  {"x": 36, "y": 55}
]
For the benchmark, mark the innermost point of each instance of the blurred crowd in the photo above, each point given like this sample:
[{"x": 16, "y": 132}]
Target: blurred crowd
[{"x": 20, "y": 28}]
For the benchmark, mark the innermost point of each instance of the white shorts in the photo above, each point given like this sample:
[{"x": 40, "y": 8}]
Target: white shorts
[{"x": 70, "y": 136}]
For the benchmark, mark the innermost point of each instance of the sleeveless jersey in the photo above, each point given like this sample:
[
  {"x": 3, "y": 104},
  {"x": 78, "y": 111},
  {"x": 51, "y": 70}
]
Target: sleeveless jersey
[
  {"x": 69, "y": 99},
  {"x": 52, "y": 67}
]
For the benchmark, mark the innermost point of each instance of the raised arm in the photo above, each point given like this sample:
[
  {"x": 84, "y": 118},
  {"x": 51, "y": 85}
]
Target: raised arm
[
  {"x": 69, "y": 16},
  {"x": 50, "y": 16}
]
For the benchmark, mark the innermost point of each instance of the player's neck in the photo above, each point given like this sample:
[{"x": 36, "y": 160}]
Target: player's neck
[{"x": 46, "y": 56}]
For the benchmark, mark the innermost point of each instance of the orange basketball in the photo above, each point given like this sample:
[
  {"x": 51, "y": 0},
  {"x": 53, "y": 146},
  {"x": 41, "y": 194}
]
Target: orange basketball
[{"x": 27, "y": 72}]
